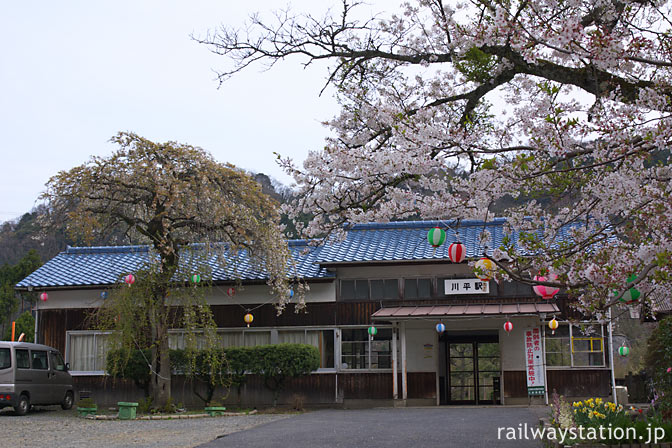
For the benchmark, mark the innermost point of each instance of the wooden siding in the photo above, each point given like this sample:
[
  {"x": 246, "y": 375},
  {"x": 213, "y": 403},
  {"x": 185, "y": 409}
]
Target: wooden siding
[
  {"x": 515, "y": 384},
  {"x": 580, "y": 383},
  {"x": 315, "y": 389},
  {"x": 54, "y": 323},
  {"x": 567, "y": 382}
]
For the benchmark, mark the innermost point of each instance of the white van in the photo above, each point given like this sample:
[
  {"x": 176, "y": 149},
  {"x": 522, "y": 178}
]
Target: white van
[{"x": 33, "y": 374}]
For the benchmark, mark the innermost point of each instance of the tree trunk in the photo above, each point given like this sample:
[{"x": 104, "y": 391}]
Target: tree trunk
[{"x": 161, "y": 372}]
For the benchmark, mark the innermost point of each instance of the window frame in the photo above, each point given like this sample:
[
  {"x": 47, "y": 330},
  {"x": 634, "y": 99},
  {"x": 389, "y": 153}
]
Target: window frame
[
  {"x": 369, "y": 295},
  {"x": 274, "y": 338},
  {"x": 416, "y": 279},
  {"x": 572, "y": 351},
  {"x": 68, "y": 361},
  {"x": 368, "y": 354}
]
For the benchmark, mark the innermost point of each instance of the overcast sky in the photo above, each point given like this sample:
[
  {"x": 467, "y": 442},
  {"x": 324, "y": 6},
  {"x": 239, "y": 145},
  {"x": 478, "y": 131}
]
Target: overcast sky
[{"x": 73, "y": 74}]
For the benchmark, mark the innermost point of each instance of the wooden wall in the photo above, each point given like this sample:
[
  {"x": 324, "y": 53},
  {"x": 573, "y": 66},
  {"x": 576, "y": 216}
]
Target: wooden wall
[
  {"x": 315, "y": 389},
  {"x": 568, "y": 382}
]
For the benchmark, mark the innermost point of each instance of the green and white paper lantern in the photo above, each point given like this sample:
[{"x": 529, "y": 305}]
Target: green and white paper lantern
[{"x": 436, "y": 236}]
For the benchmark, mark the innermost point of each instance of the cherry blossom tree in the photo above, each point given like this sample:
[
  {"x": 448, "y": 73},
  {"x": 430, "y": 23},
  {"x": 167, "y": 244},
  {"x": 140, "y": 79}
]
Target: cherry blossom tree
[
  {"x": 170, "y": 196},
  {"x": 559, "y": 108}
]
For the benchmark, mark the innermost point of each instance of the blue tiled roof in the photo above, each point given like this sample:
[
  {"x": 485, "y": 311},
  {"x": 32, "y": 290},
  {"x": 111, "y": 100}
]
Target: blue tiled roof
[
  {"x": 407, "y": 241},
  {"x": 364, "y": 243},
  {"x": 88, "y": 266}
]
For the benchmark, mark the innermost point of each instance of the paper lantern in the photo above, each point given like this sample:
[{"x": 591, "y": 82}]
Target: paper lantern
[
  {"x": 623, "y": 351},
  {"x": 484, "y": 269},
  {"x": 248, "y": 318},
  {"x": 129, "y": 279},
  {"x": 457, "y": 252},
  {"x": 231, "y": 292},
  {"x": 104, "y": 295},
  {"x": 546, "y": 292},
  {"x": 631, "y": 295},
  {"x": 290, "y": 294},
  {"x": 195, "y": 278},
  {"x": 440, "y": 328},
  {"x": 436, "y": 236},
  {"x": 508, "y": 326},
  {"x": 44, "y": 297},
  {"x": 553, "y": 325},
  {"x": 373, "y": 330}
]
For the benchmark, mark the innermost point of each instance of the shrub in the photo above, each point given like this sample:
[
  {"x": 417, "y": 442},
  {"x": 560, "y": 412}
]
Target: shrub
[
  {"x": 659, "y": 362},
  {"x": 278, "y": 362},
  {"x": 133, "y": 365},
  {"x": 205, "y": 367}
]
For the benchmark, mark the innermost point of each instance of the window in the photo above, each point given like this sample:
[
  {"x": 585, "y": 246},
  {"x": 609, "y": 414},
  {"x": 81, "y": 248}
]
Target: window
[
  {"x": 361, "y": 351},
  {"x": 558, "y": 353},
  {"x": 417, "y": 288},
  {"x": 87, "y": 351},
  {"x": 575, "y": 346},
  {"x": 57, "y": 362},
  {"x": 227, "y": 338},
  {"x": 39, "y": 360},
  {"x": 22, "y": 359},
  {"x": 322, "y": 339},
  {"x": 587, "y": 346},
  {"x": 379, "y": 289},
  {"x": 5, "y": 358}
]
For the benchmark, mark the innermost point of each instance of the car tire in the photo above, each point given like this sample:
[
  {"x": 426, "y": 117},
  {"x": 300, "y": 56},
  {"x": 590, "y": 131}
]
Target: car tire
[
  {"x": 68, "y": 401},
  {"x": 23, "y": 406}
]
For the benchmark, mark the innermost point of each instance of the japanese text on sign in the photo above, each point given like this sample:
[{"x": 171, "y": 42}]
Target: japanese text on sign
[
  {"x": 534, "y": 362},
  {"x": 466, "y": 286}
]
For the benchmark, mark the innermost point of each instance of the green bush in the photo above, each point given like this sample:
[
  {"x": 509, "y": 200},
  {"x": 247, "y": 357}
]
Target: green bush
[
  {"x": 278, "y": 362},
  {"x": 275, "y": 363},
  {"x": 133, "y": 366},
  {"x": 206, "y": 367},
  {"x": 659, "y": 360},
  {"x": 24, "y": 324}
]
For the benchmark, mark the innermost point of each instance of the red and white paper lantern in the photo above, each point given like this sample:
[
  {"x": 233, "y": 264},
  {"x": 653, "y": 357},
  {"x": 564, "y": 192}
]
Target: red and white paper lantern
[
  {"x": 508, "y": 326},
  {"x": 456, "y": 252}
]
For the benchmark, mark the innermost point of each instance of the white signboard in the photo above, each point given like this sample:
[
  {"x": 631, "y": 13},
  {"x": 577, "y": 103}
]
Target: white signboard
[
  {"x": 534, "y": 362},
  {"x": 466, "y": 286}
]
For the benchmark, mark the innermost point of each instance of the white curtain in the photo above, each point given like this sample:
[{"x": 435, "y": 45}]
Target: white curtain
[
  {"x": 254, "y": 338},
  {"x": 102, "y": 346},
  {"x": 313, "y": 338},
  {"x": 291, "y": 337},
  {"x": 82, "y": 352},
  {"x": 231, "y": 339}
]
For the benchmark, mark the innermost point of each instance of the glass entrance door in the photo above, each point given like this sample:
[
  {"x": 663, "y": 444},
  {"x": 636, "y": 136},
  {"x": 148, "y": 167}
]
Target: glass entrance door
[
  {"x": 472, "y": 370},
  {"x": 462, "y": 373}
]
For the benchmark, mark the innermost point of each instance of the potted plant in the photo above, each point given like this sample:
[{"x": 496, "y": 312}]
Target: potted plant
[
  {"x": 215, "y": 408},
  {"x": 86, "y": 406}
]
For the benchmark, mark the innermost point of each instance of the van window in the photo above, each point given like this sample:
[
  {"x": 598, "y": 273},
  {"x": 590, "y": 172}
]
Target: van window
[
  {"x": 22, "y": 359},
  {"x": 57, "y": 362},
  {"x": 39, "y": 360},
  {"x": 5, "y": 358}
]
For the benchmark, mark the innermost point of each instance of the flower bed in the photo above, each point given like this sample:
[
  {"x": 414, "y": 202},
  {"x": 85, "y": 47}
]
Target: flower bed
[{"x": 595, "y": 421}]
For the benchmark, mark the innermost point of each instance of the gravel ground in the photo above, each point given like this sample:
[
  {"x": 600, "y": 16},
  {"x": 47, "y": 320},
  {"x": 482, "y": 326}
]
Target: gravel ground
[{"x": 51, "y": 426}]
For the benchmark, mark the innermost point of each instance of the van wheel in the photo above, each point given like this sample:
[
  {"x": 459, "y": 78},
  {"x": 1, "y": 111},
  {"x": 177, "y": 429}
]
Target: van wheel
[
  {"x": 23, "y": 406},
  {"x": 67, "y": 401}
]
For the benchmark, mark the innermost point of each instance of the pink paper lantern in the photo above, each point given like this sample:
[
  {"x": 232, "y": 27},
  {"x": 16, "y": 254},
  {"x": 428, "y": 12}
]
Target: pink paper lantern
[
  {"x": 129, "y": 279},
  {"x": 546, "y": 292},
  {"x": 44, "y": 297}
]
